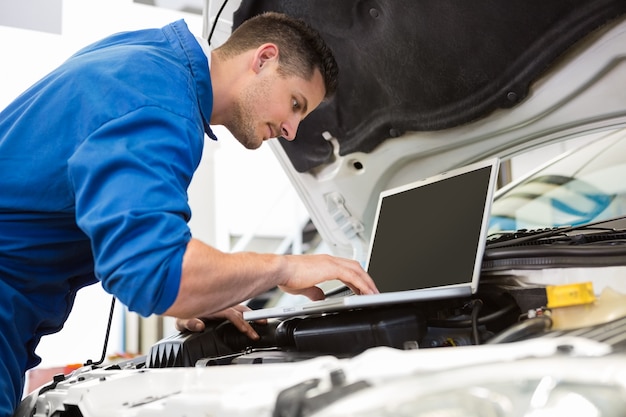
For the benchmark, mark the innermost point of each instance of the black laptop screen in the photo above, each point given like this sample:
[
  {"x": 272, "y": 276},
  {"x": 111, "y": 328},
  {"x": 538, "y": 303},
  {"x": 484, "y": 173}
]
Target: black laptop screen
[{"x": 428, "y": 236}]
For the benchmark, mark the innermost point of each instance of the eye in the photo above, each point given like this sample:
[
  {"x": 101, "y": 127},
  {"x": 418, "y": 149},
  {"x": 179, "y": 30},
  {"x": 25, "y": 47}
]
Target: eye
[{"x": 295, "y": 104}]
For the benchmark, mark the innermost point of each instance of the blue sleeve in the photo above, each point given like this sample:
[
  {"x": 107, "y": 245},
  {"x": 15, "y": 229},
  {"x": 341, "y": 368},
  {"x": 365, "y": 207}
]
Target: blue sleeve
[{"x": 131, "y": 178}]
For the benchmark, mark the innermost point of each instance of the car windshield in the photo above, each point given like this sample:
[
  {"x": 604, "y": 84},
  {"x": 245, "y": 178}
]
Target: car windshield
[{"x": 583, "y": 186}]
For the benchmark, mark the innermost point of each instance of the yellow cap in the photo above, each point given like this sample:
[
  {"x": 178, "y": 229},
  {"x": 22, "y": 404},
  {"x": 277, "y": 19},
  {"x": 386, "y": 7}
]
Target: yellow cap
[{"x": 570, "y": 294}]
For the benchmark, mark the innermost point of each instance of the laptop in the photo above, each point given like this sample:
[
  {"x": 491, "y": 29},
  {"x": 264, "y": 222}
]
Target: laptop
[{"x": 427, "y": 243}]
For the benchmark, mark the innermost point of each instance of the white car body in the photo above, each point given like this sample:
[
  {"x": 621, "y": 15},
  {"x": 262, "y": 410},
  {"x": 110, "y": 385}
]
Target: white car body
[{"x": 575, "y": 367}]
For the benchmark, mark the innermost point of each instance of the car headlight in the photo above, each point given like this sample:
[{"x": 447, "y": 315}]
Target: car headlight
[
  {"x": 547, "y": 387},
  {"x": 545, "y": 397}
]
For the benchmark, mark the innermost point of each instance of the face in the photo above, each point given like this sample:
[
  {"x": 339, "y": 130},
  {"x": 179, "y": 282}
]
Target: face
[{"x": 272, "y": 105}]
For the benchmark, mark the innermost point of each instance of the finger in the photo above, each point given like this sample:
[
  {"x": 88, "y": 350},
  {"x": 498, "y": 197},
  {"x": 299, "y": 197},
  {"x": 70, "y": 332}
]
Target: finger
[
  {"x": 192, "y": 325},
  {"x": 244, "y": 327},
  {"x": 248, "y": 330},
  {"x": 313, "y": 293},
  {"x": 361, "y": 282},
  {"x": 243, "y": 307},
  {"x": 352, "y": 274}
]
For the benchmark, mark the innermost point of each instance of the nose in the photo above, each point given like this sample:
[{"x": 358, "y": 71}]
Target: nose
[{"x": 289, "y": 128}]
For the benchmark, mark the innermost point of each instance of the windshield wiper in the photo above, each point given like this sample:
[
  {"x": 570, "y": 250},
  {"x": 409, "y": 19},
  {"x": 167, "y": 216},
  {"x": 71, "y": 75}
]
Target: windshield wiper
[{"x": 589, "y": 233}]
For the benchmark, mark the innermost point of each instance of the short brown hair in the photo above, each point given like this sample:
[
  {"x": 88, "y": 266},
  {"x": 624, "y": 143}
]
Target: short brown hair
[{"x": 301, "y": 48}]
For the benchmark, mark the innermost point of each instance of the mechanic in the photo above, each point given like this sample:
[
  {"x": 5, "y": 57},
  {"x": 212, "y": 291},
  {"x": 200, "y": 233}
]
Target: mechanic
[{"x": 96, "y": 159}]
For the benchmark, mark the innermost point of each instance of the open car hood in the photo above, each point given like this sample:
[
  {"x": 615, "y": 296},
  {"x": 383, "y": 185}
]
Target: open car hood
[{"x": 426, "y": 87}]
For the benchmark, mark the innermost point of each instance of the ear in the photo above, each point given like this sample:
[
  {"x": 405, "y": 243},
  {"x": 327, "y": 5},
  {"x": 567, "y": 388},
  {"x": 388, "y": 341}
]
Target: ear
[{"x": 264, "y": 55}]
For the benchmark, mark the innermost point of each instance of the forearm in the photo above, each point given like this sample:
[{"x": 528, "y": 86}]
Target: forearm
[{"x": 212, "y": 280}]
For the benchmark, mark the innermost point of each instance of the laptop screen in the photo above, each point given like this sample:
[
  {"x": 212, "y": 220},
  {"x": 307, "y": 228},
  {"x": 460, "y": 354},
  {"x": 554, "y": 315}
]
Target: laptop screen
[{"x": 431, "y": 233}]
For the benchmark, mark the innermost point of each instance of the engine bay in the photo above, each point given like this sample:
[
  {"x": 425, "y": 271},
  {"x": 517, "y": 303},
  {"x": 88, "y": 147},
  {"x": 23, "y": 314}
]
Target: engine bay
[{"x": 493, "y": 316}]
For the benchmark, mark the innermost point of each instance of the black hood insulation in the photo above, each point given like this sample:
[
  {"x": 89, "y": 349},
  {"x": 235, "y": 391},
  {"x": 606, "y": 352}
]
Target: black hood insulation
[{"x": 423, "y": 65}]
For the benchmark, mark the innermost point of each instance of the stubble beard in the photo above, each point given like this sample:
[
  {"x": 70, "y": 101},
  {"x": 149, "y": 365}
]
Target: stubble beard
[
  {"x": 242, "y": 120},
  {"x": 243, "y": 129}
]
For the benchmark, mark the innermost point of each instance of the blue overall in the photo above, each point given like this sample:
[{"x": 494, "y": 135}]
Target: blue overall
[{"x": 95, "y": 162}]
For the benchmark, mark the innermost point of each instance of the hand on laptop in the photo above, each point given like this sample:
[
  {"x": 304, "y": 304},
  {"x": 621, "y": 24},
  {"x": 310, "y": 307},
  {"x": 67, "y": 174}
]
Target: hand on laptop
[
  {"x": 306, "y": 271},
  {"x": 299, "y": 274}
]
